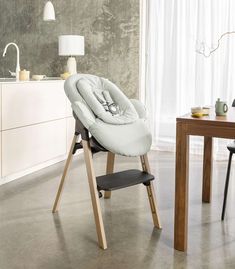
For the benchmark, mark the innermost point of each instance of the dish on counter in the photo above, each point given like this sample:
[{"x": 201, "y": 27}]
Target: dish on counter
[{"x": 38, "y": 77}]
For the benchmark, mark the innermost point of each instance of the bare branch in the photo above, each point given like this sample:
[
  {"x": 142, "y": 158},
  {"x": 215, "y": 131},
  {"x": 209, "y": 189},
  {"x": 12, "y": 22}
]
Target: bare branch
[{"x": 203, "y": 49}]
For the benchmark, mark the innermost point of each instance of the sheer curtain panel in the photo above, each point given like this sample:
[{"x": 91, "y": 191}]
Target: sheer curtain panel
[{"x": 174, "y": 77}]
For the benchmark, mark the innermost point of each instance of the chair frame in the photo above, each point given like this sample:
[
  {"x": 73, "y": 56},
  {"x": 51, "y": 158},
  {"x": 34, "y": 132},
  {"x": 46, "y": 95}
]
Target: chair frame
[
  {"x": 88, "y": 153},
  {"x": 231, "y": 152},
  {"x": 226, "y": 185}
]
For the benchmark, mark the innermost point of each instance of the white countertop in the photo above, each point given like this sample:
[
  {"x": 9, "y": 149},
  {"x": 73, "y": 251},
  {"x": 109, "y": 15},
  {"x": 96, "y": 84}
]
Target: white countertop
[{"x": 13, "y": 80}]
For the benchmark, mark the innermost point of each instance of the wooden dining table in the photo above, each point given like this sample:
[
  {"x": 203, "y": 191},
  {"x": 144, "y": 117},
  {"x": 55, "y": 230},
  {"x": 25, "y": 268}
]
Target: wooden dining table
[{"x": 209, "y": 127}]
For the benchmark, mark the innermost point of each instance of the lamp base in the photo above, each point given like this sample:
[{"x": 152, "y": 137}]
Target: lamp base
[{"x": 72, "y": 65}]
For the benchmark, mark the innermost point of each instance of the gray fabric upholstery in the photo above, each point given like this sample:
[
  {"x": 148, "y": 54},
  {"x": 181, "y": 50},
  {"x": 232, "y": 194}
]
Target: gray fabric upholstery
[
  {"x": 86, "y": 89},
  {"x": 125, "y": 134},
  {"x": 84, "y": 113},
  {"x": 129, "y": 140},
  {"x": 140, "y": 108}
]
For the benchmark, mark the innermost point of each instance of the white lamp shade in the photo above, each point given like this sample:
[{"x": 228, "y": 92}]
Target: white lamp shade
[
  {"x": 49, "y": 12},
  {"x": 71, "y": 45}
]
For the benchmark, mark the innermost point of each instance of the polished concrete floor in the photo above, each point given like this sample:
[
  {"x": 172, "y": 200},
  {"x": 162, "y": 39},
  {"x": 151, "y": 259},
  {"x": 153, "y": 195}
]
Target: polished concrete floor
[{"x": 32, "y": 237}]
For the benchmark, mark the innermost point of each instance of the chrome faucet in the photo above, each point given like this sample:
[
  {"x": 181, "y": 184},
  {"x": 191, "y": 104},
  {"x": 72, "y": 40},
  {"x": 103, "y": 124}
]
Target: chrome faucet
[{"x": 16, "y": 74}]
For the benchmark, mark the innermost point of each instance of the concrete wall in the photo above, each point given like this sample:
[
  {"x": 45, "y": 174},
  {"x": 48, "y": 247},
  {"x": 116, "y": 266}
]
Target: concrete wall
[{"x": 110, "y": 27}]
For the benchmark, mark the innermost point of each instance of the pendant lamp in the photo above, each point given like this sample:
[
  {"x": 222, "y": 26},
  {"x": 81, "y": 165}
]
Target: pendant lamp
[{"x": 49, "y": 12}]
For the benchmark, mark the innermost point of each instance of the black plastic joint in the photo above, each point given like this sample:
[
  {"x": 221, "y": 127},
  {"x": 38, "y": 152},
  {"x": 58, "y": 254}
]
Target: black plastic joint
[
  {"x": 77, "y": 146},
  {"x": 146, "y": 183}
]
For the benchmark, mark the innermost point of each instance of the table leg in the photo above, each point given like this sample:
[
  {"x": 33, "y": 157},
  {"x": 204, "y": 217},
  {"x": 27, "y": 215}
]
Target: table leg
[
  {"x": 181, "y": 188},
  {"x": 207, "y": 170}
]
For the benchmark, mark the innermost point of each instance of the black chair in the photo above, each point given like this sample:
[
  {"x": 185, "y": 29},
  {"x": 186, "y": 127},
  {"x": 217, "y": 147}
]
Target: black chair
[{"x": 231, "y": 148}]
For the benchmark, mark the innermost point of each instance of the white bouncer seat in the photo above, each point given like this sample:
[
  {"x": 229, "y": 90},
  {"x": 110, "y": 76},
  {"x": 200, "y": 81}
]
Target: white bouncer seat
[
  {"x": 126, "y": 133},
  {"x": 106, "y": 120}
]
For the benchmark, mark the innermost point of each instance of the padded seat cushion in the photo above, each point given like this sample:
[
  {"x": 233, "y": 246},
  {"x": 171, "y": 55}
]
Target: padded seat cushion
[
  {"x": 129, "y": 140},
  {"x": 127, "y": 112}
]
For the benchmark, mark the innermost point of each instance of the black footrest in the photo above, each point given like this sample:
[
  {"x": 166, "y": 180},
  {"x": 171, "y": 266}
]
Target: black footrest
[{"x": 123, "y": 179}]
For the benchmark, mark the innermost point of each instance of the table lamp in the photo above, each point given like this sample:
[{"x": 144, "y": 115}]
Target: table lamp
[{"x": 71, "y": 45}]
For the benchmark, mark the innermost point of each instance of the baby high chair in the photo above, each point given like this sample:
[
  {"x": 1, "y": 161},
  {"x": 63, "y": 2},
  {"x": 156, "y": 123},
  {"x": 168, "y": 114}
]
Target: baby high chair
[{"x": 106, "y": 120}]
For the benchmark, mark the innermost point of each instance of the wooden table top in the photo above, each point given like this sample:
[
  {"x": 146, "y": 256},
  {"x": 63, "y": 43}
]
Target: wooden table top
[{"x": 228, "y": 120}]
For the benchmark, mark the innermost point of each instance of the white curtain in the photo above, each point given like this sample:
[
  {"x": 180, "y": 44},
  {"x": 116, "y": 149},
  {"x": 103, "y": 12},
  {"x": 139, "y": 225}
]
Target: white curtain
[{"x": 174, "y": 77}]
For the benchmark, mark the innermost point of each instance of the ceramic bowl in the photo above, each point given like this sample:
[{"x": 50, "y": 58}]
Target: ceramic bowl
[
  {"x": 206, "y": 110},
  {"x": 200, "y": 110},
  {"x": 197, "y": 110},
  {"x": 38, "y": 77}
]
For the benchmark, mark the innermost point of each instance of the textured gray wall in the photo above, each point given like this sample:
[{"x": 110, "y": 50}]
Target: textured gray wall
[{"x": 110, "y": 27}]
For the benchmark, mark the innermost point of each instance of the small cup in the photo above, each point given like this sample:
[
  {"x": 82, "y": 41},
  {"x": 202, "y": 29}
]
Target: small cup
[
  {"x": 24, "y": 75},
  {"x": 38, "y": 77},
  {"x": 221, "y": 108}
]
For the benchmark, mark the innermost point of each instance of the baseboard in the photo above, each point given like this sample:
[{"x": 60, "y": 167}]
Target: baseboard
[{"x": 33, "y": 169}]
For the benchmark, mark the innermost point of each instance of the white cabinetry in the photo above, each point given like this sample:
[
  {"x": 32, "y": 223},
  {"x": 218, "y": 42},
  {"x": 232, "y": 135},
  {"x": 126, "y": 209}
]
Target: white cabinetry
[
  {"x": 70, "y": 125},
  {"x": 70, "y": 131},
  {"x": 0, "y": 130},
  {"x": 36, "y": 127},
  {"x": 23, "y": 148},
  {"x": 31, "y": 103}
]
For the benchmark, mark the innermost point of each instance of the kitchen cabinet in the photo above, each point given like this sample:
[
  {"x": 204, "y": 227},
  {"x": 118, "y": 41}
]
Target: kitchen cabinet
[{"x": 36, "y": 126}]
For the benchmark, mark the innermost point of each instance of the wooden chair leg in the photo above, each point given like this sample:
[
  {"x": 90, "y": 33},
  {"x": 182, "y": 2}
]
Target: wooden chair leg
[
  {"x": 109, "y": 170},
  {"x": 94, "y": 195},
  {"x": 151, "y": 193},
  {"x": 62, "y": 181}
]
